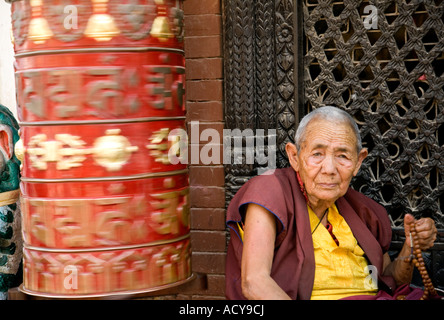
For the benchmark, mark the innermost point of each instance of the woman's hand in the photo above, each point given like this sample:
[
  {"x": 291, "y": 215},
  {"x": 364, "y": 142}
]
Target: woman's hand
[
  {"x": 399, "y": 269},
  {"x": 425, "y": 229}
]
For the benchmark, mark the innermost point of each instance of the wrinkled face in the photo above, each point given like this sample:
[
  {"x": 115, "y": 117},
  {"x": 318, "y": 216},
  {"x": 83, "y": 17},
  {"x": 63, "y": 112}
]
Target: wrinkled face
[{"x": 328, "y": 159}]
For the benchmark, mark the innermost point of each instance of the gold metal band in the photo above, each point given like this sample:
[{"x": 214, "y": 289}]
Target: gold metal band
[
  {"x": 108, "y": 294},
  {"x": 99, "y": 50},
  {"x": 91, "y": 122},
  {"x": 112, "y": 248},
  {"x": 114, "y": 178}
]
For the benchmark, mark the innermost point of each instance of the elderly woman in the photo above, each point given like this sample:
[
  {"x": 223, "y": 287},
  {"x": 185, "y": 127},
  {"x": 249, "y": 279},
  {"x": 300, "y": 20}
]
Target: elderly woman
[{"x": 302, "y": 233}]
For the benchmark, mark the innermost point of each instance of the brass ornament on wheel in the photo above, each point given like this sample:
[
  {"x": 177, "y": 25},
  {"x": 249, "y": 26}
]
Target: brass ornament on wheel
[
  {"x": 113, "y": 150},
  {"x": 66, "y": 150}
]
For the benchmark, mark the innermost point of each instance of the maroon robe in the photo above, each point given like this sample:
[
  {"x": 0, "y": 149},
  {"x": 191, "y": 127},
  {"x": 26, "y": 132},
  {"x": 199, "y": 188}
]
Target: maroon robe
[{"x": 293, "y": 265}]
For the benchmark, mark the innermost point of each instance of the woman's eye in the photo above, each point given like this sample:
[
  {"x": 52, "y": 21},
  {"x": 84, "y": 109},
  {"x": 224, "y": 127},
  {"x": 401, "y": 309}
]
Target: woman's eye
[{"x": 343, "y": 157}]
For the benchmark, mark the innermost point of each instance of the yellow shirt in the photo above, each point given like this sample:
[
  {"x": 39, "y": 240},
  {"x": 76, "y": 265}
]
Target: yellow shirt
[{"x": 340, "y": 270}]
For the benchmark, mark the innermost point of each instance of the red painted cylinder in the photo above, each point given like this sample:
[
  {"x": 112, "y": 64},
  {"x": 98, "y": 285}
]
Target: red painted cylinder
[{"x": 100, "y": 90}]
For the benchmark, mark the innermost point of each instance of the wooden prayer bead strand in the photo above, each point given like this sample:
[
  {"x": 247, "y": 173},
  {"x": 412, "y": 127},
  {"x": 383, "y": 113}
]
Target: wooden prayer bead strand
[{"x": 418, "y": 260}]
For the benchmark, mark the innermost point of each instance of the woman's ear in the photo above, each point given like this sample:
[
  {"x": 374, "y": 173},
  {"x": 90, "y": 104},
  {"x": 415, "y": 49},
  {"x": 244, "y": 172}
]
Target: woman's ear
[
  {"x": 292, "y": 154},
  {"x": 361, "y": 156}
]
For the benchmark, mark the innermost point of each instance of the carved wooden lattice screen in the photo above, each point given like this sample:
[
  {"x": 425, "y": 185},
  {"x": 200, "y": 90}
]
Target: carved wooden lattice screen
[
  {"x": 388, "y": 76},
  {"x": 283, "y": 58},
  {"x": 383, "y": 62}
]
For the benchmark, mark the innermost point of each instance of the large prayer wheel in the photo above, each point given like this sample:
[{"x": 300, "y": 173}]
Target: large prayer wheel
[{"x": 100, "y": 89}]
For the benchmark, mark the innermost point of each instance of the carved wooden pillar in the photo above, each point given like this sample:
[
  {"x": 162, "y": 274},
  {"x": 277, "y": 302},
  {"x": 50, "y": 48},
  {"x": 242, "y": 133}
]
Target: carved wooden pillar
[{"x": 261, "y": 76}]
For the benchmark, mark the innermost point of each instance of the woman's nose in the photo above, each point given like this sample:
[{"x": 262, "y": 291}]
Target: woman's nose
[{"x": 329, "y": 165}]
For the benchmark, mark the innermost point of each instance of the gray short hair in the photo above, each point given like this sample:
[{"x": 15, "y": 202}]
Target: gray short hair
[{"x": 331, "y": 114}]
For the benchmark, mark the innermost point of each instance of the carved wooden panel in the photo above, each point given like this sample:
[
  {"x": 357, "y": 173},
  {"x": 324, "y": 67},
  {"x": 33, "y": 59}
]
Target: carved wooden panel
[{"x": 260, "y": 73}]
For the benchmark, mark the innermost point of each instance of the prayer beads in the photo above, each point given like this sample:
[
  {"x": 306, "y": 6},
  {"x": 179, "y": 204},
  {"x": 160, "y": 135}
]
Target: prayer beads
[{"x": 418, "y": 260}]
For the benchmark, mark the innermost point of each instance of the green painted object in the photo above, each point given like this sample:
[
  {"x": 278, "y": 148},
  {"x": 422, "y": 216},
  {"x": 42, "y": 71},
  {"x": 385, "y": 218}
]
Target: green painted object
[{"x": 10, "y": 230}]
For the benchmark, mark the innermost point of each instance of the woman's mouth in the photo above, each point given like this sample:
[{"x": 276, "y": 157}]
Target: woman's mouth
[{"x": 328, "y": 185}]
